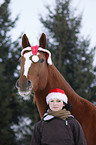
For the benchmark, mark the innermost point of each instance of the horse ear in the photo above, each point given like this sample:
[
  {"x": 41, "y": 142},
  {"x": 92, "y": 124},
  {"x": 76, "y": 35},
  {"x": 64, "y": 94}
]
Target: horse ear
[
  {"x": 42, "y": 41},
  {"x": 25, "y": 41}
]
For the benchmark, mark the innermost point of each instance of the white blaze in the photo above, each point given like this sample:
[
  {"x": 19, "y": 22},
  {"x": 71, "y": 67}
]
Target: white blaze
[{"x": 28, "y": 63}]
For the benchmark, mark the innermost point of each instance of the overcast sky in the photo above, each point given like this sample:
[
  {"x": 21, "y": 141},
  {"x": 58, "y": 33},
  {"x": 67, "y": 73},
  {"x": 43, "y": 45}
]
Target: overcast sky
[{"x": 29, "y": 11}]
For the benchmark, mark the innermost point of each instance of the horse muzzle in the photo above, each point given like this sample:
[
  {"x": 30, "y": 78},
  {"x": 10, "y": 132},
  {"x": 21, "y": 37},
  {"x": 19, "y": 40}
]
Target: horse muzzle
[{"x": 24, "y": 88}]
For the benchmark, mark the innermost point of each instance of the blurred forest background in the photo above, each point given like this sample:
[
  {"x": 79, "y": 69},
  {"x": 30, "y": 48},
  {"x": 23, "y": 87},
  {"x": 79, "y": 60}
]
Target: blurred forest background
[{"x": 70, "y": 54}]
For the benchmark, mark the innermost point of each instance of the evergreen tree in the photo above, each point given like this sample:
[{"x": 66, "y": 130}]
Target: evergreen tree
[
  {"x": 17, "y": 116},
  {"x": 70, "y": 51},
  {"x": 9, "y": 104}
]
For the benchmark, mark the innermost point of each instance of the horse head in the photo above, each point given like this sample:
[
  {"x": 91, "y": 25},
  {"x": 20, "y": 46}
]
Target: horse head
[{"x": 34, "y": 61}]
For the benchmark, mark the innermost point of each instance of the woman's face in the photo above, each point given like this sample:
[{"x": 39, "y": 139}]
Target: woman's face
[{"x": 55, "y": 104}]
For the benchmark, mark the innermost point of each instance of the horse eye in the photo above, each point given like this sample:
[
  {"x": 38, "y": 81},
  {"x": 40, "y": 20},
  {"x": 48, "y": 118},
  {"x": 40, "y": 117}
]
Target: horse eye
[{"x": 41, "y": 60}]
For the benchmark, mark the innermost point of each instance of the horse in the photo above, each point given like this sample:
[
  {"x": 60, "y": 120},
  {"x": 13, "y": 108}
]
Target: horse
[{"x": 38, "y": 74}]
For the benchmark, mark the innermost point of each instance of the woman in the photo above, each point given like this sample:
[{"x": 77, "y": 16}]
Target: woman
[{"x": 58, "y": 126}]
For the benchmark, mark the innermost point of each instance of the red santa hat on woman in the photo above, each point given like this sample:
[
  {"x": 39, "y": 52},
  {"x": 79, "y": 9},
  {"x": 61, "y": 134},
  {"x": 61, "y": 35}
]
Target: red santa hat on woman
[{"x": 58, "y": 94}]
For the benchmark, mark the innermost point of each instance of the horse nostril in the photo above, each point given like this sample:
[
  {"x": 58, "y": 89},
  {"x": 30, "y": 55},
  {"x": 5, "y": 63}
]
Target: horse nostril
[
  {"x": 23, "y": 86},
  {"x": 29, "y": 83},
  {"x": 17, "y": 84}
]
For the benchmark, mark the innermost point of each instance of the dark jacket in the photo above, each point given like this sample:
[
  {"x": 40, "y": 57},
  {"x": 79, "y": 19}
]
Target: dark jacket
[{"x": 56, "y": 131}]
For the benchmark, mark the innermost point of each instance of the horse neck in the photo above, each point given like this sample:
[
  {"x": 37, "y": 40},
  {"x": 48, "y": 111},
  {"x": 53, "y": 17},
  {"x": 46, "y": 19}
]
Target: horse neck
[
  {"x": 55, "y": 80},
  {"x": 80, "y": 105}
]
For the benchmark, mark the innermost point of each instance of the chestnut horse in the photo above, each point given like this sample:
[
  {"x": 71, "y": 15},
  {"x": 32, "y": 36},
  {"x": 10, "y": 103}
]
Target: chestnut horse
[{"x": 39, "y": 75}]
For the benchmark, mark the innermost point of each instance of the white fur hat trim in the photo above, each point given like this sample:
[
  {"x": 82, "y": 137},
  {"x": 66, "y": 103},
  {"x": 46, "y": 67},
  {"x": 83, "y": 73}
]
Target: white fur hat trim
[
  {"x": 56, "y": 95},
  {"x": 49, "y": 61}
]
